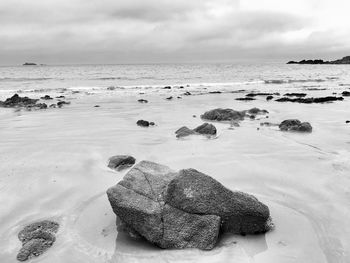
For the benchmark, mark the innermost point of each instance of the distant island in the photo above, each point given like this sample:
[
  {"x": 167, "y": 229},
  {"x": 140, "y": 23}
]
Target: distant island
[
  {"x": 344, "y": 60},
  {"x": 29, "y": 64}
]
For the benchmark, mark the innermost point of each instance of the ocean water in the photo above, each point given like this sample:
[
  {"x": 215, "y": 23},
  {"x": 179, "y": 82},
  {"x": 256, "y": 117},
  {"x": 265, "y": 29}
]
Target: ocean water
[
  {"x": 151, "y": 77},
  {"x": 53, "y": 162}
]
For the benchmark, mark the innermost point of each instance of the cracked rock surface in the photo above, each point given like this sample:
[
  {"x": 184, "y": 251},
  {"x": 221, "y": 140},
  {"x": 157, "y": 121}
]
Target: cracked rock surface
[{"x": 185, "y": 209}]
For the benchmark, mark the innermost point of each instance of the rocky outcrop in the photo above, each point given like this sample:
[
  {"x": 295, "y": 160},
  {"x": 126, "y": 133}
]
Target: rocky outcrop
[
  {"x": 344, "y": 60},
  {"x": 36, "y": 238},
  {"x": 204, "y": 129},
  {"x": 295, "y": 125},
  {"x": 300, "y": 95},
  {"x": 120, "y": 162},
  {"x": 17, "y": 101},
  {"x": 230, "y": 114},
  {"x": 311, "y": 100},
  {"x": 185, "y": 209}
]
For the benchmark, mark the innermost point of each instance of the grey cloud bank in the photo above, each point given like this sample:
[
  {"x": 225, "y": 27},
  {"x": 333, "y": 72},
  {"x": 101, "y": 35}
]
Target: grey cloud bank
[{"x": 138, "y": 31}]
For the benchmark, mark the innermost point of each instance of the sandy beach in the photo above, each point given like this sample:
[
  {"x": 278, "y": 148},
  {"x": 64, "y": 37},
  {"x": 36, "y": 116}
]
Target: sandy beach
[{"x": 54, "y": 166}]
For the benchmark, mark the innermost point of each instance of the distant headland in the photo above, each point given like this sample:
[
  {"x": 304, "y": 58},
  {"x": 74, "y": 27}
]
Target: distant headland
[
  {"x": 30, "y": 64},
  {"x": 344, "y": 60}
]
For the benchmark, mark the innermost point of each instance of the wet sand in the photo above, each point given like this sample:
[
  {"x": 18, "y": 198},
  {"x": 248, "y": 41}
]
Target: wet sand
[{"x": 54, "y": 166}]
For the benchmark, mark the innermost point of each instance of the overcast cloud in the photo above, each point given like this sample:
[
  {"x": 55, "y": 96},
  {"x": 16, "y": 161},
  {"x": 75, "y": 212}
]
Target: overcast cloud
[{"x": 144, "y": 31}]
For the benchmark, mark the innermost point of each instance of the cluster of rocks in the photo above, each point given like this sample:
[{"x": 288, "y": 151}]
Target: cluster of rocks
[
  {"x": 295, "y": 125},
  {"x": 311, "y": 100},
  {"x": 185, "y": 209},
  {"x": 204, "y": 129},
  {"x": 144, "y": 123},
  {"x": 344, "y": 60},
  {"x": 120, "y": 162},
  {"x": 220, "y": 114},
  {"x": 36, "y": 238},
  {"x": 17, "y": 101}
]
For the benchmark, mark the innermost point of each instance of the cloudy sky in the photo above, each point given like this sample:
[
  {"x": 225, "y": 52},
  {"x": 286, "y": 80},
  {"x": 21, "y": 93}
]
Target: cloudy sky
[{"x": 146, "y": 31}]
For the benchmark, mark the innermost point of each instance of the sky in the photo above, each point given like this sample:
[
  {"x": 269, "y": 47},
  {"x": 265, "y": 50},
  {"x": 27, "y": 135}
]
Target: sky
[{"x": 167, "y": 31}]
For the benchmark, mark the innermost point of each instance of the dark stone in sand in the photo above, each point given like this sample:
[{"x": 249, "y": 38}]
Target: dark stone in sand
[
  {"x": 261, "y": 94},
  {"x": 169, "y": 98},
  {"x": 151, "y": 123},
  {"x": 97, "y": 106},
  {"x": 245, "y": 99},
  {"x": 223, "y": 115},
  {"x": 270, "y": 97},
  {"x": 183, "y": 132},
  {"x": 187, "y": 93},
  {"x": 257, "y": 111},
  {"x": 185, "y": 209},
  {"x": 60, "y": 97},
  {"x": 311, "y": 100},
  {"x": 41, "y": 105},
  {"x": 295, "y": 95},
  {"x": 215, "y": 92},
  {"x": 346, "y": 93},
  {"x": 17, "y": 101},
  {"x": 36, "y": 238},
  {"x": 144, "y": 123},
  {"x": 167, "y": 87},
  {"x": 204, "y": 129},
  {"x": 61, "y": 103},
  {"x": 142, "y": 101},
  {"x": 46, "y": 97},
  {"x": 295, "y": 125},
  {"x": 120, "y": 162},
  {"x": 347, "y": 121}
]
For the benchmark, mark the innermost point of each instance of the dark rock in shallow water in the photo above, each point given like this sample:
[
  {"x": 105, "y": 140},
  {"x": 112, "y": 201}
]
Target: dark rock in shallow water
[
  {"x": 295, "y": 95},
  {"x": 311, "y": 100},
  {"x": 347, "y": 122},
  {"x": 156, "y": 203},
  {"x": 144, "y": 123},
  {"x": 270, "y": 97},
  {"x": 245, "y": 99},
  {"x": 346, "y": 93},
  {"x": 261, "y": 94},
  {"x": 120, "y": 162},
  {"x": 167, "y": 87},
  {"x": 183, "y": 132},
  {"x": 142, "y": 101},
  {"x": 295, "y": 125},
  {"x": 256, "y": 111},
  {"x": 36, "y": 238},
  {"x": 17, "y": 101},
  {"x": 169, "y": 98},
  {"x": 46, "y": 97},
  {"x": 204, "y": 129},
  {"x": 187, "y": 93},
  {"x": 215, "y": 92},
  {"x": 223, "y": 115},
  {"x": 61, "y": 103}
]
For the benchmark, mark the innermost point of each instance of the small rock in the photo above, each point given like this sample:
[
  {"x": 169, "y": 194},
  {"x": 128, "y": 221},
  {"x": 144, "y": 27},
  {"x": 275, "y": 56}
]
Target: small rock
[
  {"x": 270, "y": 97},
  {"x": 61, "y": 103},
  {"x": 152, "y": 123},
  {"x": 142, "y": 101},
  {"x": 206, "y": 128},
  {"x": 347, "y": 122},
  {"x": 143, "y": 123},
  {"x": 183, "y": 132},
  {"x": 97, "y": 106},
  {"x": 169, "y": 98},
  {"x": 187, "y": 93},
  {"x": 120, "y": 162},
  {"x": 36, "y": 238},
  {"x": 346, "y": 93},
  {"x": 46, "y": 97},
  {"x": 53, "y": 106},
  {"x": 245, "y": 99},
  {"x": 167, "y": 87}
]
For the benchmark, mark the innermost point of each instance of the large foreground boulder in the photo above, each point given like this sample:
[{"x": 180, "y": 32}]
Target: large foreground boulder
[{"x": 185, "y": 209}]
